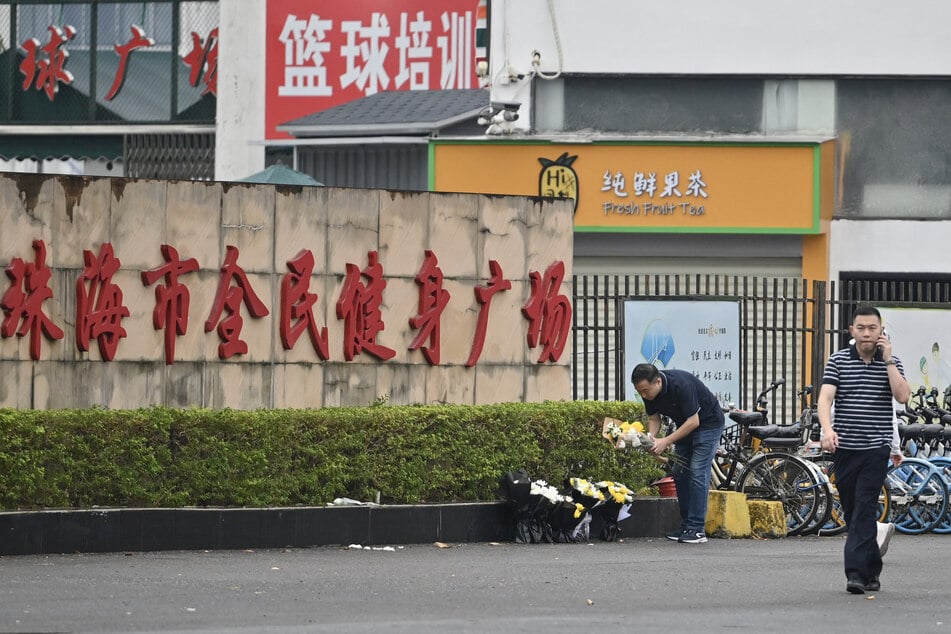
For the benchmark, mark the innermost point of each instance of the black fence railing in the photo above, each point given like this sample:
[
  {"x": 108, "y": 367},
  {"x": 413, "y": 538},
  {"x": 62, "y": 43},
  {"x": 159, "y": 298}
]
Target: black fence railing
[{"x": 788, "y": 326}]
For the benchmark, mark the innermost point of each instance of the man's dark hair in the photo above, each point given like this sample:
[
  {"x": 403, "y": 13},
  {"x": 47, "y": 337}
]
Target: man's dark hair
[
  {"x": 644, "y": 372},
  {"x": 866, "y": 309}
]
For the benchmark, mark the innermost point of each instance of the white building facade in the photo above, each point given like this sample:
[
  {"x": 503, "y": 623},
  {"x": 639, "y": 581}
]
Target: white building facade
[{"x": 872, "y": 78}]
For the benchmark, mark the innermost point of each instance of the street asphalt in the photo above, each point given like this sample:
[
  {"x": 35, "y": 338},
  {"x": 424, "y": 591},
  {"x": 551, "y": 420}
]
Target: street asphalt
[{"x": 644, "y": 584}]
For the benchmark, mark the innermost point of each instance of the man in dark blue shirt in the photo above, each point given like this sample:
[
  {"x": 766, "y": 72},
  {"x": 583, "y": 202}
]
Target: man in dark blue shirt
[{"x": 698, "y": 416}]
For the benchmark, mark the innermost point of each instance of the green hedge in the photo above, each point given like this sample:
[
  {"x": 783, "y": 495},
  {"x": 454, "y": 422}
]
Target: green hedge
[{"x": 161, "y": 457}]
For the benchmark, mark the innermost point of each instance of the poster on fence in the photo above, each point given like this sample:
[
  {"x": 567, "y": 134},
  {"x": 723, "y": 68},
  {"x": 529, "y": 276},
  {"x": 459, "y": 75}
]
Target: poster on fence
[
  {"x": 696, "y": 335},
  {"x": 919, "y": 335}
]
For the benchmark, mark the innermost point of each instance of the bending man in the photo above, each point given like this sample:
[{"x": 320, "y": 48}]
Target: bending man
[{"x": 696, "y": 412}]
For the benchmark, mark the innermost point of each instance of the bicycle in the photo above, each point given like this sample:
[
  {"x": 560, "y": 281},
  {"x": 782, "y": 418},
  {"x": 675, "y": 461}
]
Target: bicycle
[
  {"x": 919, "y": 486},
  {"x": 802, "y": 439},
  {"x": 743, "y": 465},
  {"x": 809, "y": 449}
]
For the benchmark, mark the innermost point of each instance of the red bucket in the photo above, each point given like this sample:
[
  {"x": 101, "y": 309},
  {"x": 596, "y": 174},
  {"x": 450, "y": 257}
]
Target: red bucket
[{"x": 666, "y": 486}]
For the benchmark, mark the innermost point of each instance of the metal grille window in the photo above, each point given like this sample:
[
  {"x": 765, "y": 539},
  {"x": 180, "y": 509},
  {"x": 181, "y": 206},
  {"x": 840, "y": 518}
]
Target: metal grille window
[{"x": 173, "y": 156}]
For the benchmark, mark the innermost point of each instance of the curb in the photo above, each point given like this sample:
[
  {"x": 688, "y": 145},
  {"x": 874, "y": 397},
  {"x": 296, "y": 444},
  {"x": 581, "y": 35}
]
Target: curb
[{"x": 140, "y": 529}]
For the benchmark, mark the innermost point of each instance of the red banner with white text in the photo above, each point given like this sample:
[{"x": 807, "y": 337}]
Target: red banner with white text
[{"x": 323, "y": 54}]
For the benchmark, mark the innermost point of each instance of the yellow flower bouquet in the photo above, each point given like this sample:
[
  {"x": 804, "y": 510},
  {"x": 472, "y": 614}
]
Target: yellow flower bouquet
[{"x": 624, "y": 434}]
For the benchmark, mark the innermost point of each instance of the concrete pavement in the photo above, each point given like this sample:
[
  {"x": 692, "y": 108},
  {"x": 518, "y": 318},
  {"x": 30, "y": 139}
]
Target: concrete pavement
[{"x": 647, "y": 584}]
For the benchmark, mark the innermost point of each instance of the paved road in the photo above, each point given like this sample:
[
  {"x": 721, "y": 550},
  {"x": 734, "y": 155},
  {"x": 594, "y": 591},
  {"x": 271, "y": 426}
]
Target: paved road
[{"x": 787, "y": 585}]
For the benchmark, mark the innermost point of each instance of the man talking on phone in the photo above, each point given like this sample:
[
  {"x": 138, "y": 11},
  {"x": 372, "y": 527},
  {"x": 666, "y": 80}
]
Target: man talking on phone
[{"x": 861, "y": 381}]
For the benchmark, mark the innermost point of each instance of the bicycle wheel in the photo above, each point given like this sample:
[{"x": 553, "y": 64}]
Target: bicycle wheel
[
  {"x": 787, "y": 479},
  {"x": 825, "y": 507},
  {"x": 919, "y": 496},
  {"x": 944, "y": 464}
]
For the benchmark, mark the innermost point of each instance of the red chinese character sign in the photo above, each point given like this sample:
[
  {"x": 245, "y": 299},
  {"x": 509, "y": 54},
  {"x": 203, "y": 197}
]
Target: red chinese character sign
[
  {"x": 202, "y": 61},
  {"x": 548, "y": 312},
  {"x": 171, "y": 299},
  {"x": 111, "y": 56},
  {"x": 297, "y": 306},
  {"x": 46, "y": 65},
  {"x": 433, "y": 299},
  {"x": 359, "y": 308},
  {"x": 483, "y": 295},
  {"x": 99, "y": 307},
  {"x": 329, "y": 315},
  {"x": 22, "y": 302},
  {"x": 234, "y": 289},
  {"x": 320, "y": 55},
  {"x": 124, "y": 51}
]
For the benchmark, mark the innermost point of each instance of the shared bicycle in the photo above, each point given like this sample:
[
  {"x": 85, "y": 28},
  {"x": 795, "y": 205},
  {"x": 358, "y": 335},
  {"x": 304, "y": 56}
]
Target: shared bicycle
[{"x": 747, "y": 461}]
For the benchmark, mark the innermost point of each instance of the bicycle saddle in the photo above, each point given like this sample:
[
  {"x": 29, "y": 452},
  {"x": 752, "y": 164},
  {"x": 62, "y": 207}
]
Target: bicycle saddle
[
  {"x": 747, "y": 419},
  {"x": 777, "y": 436},
  {"x": 910, "y": 431}
]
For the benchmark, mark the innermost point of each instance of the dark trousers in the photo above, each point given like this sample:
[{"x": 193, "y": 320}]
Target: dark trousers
[{"x": 859, "y": 476}]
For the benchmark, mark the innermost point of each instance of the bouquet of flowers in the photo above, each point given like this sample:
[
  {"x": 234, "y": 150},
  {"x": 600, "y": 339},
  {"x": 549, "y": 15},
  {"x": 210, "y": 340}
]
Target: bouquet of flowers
[
  {"x": 585, "y": 492},
  {"x": 623, "y": 434},
  {"x": 571, "y": 521},
  {"x": 545, "y": 514},
  {"x": 616, "y": 508},
  {"x": 530, "y": 503},
  {"x": 542, "y": 512}
]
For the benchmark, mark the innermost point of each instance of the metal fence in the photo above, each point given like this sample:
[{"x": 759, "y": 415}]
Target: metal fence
[
  {"x": 788, "y": 326},
  {"x": 171, "y": 156}
]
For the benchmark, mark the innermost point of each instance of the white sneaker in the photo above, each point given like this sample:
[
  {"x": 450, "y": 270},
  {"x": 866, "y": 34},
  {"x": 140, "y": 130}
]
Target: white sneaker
[{"x": 885, "y": 532}]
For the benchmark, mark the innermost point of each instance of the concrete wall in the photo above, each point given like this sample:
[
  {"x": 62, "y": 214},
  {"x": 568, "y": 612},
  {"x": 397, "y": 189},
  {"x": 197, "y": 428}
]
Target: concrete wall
[{"x": 269, "y": 226}]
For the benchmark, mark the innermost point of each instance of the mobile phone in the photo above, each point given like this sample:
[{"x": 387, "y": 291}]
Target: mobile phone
[{"x": 879, "y": 353}]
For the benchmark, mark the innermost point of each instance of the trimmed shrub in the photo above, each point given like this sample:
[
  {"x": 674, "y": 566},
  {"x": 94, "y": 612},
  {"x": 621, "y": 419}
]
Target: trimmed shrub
[{"x": 162, "y": 457}]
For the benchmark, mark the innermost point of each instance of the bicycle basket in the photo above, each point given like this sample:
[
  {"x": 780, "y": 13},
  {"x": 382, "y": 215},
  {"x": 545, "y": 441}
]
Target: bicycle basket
[{"x": 732, "y": 435}]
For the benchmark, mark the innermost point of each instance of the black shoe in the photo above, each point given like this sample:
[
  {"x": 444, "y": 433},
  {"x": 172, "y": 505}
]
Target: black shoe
[
  {"x": 873, "y": 585},
  {"x": 693, "y": 537},
  {"x": 675, "y": 536},
  {"x": 855, "y": 586}
]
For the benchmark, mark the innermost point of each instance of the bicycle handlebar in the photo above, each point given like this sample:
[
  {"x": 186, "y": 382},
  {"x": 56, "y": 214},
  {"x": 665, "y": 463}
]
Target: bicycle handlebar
[{"x": 772, "y": 388}]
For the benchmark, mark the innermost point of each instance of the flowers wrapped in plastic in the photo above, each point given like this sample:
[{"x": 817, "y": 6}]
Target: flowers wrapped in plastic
[
  {"x": 530, "y": 504},
  {"x": 545, "y": 514},
  {"x": 616, "y": 508},
  {"x": 571, "y": 520},
  {"x": 623, "y": 435},
  {"x": 542, "y": 513}
]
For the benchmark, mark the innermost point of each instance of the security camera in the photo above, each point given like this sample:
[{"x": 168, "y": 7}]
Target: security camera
[{"x": 498, "y": 115}]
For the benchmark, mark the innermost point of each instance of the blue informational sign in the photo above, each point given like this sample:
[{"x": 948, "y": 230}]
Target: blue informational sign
[{"x": 700, "y": 336}]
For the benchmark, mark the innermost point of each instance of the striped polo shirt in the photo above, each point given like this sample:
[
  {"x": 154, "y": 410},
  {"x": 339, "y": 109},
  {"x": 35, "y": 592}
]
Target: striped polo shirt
[{"x": 863, "y": 399}]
